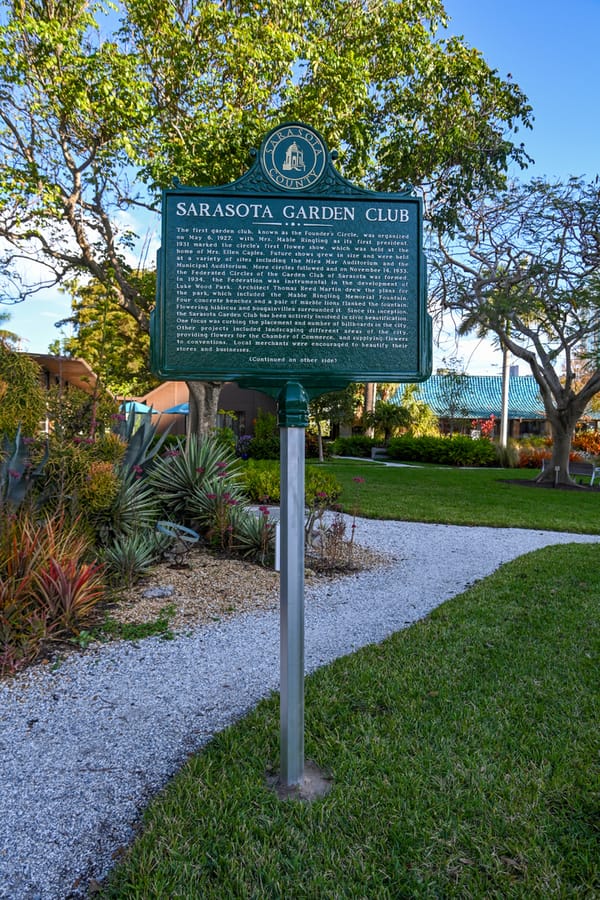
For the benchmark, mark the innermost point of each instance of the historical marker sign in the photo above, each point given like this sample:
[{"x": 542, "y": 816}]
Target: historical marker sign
[
  {"x": 291, "y": 273},
  {"x": 296, "y": 282}
]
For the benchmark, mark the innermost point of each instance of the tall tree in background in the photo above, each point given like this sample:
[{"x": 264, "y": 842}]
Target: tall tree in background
[
  {"x": 525, "y": 269},
  {"x": 108, "y": 338},
  {"x": 101, "y": 107}
]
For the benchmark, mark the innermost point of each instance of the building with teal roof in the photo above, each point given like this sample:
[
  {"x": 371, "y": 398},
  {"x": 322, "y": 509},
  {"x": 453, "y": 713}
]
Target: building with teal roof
[{"x": 480, "y": 396}]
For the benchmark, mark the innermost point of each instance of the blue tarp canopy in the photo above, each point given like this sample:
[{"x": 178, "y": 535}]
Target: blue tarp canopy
[
  {"x": 181, "y": 409},
  {"x": 134, "y": 406}
]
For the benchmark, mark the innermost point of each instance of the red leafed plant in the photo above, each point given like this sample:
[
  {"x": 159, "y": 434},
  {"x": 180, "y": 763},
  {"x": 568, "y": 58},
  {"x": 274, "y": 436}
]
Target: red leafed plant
[
  {"x": 48, "y": 586},
  {"x": 69, "y": 590}
]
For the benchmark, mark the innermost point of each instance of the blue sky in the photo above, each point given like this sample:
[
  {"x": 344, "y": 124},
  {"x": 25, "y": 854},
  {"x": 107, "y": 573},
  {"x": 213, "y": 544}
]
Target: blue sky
[
  {"x": 551, "y": 50},
  {"x": 550, "y": 47}
]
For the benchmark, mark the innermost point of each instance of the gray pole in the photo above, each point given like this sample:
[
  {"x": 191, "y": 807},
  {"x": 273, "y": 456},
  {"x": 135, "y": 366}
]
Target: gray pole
[
  {"x": 293, "y": 418},
  {"x": 505, "y": 389}
]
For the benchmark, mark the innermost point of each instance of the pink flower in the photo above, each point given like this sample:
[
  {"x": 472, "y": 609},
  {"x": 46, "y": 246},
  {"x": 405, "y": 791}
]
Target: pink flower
[{"x": 358, "y": 479}]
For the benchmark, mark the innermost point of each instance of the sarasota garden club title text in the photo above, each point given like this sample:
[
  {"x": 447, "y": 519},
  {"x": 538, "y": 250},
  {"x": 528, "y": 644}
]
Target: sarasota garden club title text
[{"x": 300, "y": 212}]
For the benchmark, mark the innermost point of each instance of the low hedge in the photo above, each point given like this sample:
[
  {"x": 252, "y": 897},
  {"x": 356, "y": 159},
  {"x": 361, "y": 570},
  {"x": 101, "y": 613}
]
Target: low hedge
[
  {"x": 356, "y": 445},
  {"x": 454, "y": 450},
  {"x": 261, "y": 482}
]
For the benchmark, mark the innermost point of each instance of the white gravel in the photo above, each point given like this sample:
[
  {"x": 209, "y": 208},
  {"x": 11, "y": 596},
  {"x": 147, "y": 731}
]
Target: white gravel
[{"x": 85, "y": 747}]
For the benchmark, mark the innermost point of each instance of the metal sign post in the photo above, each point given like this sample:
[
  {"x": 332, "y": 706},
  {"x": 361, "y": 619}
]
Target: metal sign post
[{"x": 293, "y": 419}]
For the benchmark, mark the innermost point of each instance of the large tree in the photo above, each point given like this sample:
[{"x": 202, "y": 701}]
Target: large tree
[
  {"x": 108, "y": 338},
  {"x": 526, "y": 270},
  {"x": 100, "y": 107}
]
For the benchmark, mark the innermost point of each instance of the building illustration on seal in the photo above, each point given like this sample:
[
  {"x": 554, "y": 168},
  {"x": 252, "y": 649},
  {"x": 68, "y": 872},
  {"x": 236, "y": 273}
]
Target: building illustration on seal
[{"x": 294, "y": 159}]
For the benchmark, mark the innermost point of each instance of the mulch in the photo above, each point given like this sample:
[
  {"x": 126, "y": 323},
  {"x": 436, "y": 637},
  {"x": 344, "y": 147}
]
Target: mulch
[{"x": 547, "y": 485}]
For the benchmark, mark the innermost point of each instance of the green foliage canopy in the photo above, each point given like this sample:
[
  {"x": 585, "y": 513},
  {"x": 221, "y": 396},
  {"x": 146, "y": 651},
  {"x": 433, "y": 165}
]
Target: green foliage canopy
[
  {"x": 100, "y": 105},
  {"x": 109, "y": 339},
  {"x": 22, "y": 398}
]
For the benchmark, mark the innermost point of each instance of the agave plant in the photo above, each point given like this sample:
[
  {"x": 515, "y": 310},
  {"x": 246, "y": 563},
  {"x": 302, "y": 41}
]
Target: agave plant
[
  {"x": 143, "y": 445},
  {"x": 131, "y": 556},
  {"x": 17, "y": 471}
]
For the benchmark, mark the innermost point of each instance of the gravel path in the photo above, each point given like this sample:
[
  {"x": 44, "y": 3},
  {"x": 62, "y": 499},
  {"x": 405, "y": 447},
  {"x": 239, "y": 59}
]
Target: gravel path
[{"x": 86, "y": 746}]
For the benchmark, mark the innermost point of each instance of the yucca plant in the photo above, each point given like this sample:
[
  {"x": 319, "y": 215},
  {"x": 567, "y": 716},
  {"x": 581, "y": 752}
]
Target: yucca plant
[
  {"x": 183, "y": 475},
  {"x": 143, "y": 444},
  {"x": 255, "y": 535},
  {"x": 134, "y": 509}
]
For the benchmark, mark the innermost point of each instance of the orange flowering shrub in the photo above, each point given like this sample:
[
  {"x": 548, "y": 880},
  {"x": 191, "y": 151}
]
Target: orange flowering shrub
[{"x": 587, "y": 442}]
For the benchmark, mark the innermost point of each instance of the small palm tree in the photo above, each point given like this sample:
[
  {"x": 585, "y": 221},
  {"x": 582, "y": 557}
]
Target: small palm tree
[
  {"x": 387, "y": 418},
  {"x": 8, "y": 338}
]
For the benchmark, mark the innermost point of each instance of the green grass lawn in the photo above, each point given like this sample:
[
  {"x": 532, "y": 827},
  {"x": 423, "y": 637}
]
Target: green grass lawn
[
  {"x": 464, "y": 751},
  {"x": 464, "y": 754},
  {"x": 462, "y": 497}
]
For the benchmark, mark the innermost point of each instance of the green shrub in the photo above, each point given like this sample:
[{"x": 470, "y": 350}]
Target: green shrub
[
  {"x": 262, "y": 483},
  {"x": 321, "y": 487},
  {"x": 312, "y": 446},
  {"x": 265, "y": 425},
  {"x": 357, "y": 445},
  {"x": 23, "y": 397},
  {"x": 260, "y": 480},
  {"x": 263, "y": 448},
  {"x": 455, "y": 450}
]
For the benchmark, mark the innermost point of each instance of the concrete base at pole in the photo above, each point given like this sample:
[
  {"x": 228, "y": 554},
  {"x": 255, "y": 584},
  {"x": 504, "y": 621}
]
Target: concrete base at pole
[{"x": 313, "y": 785}]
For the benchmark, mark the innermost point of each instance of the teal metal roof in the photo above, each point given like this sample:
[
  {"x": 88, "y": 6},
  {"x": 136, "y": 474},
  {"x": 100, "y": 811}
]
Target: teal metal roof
[{"x": 481, "y": 396}]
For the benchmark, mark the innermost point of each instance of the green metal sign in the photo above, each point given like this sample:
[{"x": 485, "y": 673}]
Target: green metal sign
[{"x": 291, "y": 273}]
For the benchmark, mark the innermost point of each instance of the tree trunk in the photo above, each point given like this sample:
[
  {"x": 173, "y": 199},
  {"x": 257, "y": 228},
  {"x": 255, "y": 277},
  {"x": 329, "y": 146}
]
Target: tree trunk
[
  {"x": 204, "y": 403},
  {"x": 557, "y": 470},
  {"x": 320, "y": 441},
  {"x": 369, "y": 404}
]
